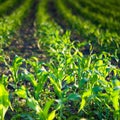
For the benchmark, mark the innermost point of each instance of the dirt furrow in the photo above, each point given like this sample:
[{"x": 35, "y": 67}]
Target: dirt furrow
[{"x": 25, "y": 43}]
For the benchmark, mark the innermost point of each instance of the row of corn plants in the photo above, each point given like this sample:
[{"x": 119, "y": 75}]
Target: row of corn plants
[
  {"x": 108, "y": 4},
  {"x": 115, "y": 2},
  {"x": 2, "y": 1},
  {"x": 99, "y": 19},
  {"x": 9, "y": 24},
  {"x": 7, "y": 6},
  {"x": 104, "y": 39},
  {"x": 97, "y": 9}
]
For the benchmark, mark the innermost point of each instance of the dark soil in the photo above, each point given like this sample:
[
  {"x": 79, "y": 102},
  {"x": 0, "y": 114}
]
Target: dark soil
[{"x": 24, "y": 42}]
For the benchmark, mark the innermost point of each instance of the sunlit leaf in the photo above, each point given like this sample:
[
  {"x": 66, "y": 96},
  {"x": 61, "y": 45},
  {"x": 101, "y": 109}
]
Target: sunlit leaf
[
  {"x": 47, "y": 107},
  {"x": 21, "y": 92},
  {"x": 51, "y": 115},
  {"x": 4, "y": 101},
  {"x": 33, "y": 104},
  {"x": 82, "y": 104}
]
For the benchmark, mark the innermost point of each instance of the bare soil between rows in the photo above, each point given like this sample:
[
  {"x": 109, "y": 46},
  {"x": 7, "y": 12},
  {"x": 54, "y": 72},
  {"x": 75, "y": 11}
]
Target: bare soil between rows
[{"x": 24, "y": 42}]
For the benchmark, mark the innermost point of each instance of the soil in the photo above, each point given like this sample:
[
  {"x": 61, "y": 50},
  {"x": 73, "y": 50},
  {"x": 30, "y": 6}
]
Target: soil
[{"x": 24, "y": 42}]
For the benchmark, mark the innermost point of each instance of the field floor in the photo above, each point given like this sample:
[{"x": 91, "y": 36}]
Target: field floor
[{"x": 24, "y": 42}]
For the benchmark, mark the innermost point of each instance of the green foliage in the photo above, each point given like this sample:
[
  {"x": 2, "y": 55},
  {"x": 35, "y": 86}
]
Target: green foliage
[
  {"x": 92, "y": 33},
  {"x": 9, "y": 24},
  {"x": 68, "y": 85},
  {"x": 4, "y": 101},
  {"x": 7, "y": 5}
]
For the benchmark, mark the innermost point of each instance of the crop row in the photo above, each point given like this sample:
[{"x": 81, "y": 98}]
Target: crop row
[
  {"x": 2, "y": 1},
  {"x": 99, "y": 19},
  {"x": 104, "y": 39},
  {"x": 96, "y": 8},
  {"x": 108, "y": 5},
  {"x": 7, "y": 6},
  {"x": 9, "y": 24}
]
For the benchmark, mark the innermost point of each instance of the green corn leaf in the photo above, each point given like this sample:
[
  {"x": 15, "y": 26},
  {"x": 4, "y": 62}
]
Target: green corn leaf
[
  {"x": 30, "y": 77},
  {"x": 74, "y": 96},
  {"x": 84, "y": 97},
  {"x": 21, "y": 92},
  {"x": 82, "y": 82},
  {"x": 47, "y": 107},
  {"x": 4, "y": 101},
  {"x": 115, "y": 101},
  {"x": 17, "y": 61},
  {"x": 1, "y": 59},
  {"x": 51, "y": 115},
  {"x": 117, "y": 88},
  {"x": 56, "y": 87},
  {"x": 97, "y": 89},
  {"x": 33, "y": 104},
  {"x": 87, "y": 94},
  {"x": 82, "y": 104}
]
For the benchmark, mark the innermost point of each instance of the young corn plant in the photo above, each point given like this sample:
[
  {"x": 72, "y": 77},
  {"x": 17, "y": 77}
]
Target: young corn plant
[
  {"x": 95, "y": 87},
  {"x": 32, "y": 103},
  {"x": 38, "y": 76}
]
